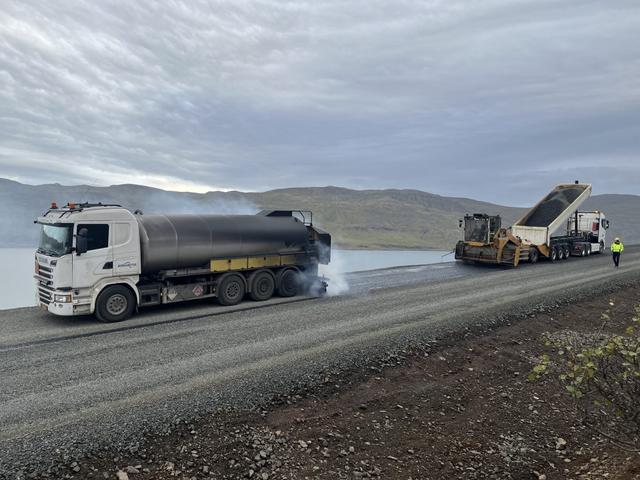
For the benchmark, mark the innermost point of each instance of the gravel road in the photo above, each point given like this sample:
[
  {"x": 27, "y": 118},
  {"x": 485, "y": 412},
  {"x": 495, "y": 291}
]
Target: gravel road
[{"x": 70, "y": 386}]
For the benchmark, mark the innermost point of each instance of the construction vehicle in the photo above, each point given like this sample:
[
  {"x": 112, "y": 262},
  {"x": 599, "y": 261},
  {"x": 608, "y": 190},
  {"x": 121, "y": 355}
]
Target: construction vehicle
[
  {"x": 105, "y": 260},
  {"x": 535, "y": 236}
]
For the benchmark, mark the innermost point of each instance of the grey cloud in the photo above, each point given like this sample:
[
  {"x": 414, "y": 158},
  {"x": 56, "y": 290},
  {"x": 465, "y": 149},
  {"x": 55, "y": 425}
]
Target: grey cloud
[{"x": 454, "y": 97}]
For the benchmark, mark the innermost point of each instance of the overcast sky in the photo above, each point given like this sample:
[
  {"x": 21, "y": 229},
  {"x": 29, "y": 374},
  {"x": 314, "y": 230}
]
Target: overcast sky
[{"x": 495, "y": 100}]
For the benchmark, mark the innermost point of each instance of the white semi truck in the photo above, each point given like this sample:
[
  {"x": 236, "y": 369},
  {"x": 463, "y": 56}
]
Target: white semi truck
[
  {"x": 105, "y": 260},
  {"x": 553, "y": 229}
]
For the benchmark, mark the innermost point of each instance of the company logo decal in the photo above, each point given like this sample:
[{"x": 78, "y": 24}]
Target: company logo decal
[{"x": 127, "y": 265}]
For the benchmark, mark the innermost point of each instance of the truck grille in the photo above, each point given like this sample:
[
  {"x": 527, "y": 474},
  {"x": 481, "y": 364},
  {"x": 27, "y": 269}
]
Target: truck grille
[
  {"x": 45, "y": 272},
  {"x": 44, "y": 294},
  {"x": 44, "y": 283}
]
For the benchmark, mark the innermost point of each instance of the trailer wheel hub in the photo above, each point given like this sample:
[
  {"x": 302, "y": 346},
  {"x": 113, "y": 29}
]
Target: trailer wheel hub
[
  {"x": 233, "y": 290},
  {"x": 264, "y": 286}
]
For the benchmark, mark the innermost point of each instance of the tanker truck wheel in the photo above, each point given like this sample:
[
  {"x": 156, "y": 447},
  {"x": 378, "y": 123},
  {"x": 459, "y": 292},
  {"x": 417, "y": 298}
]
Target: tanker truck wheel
[
  {"x": 262, "y": 286},
  {"x": 115, "y": 304},
  {"x": 288, "y": 284},
  {"x": 231, "y": 290}
]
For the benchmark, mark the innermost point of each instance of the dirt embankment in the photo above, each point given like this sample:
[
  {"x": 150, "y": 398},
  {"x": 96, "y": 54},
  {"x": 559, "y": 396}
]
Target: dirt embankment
[{"x": 458, "y": 410}]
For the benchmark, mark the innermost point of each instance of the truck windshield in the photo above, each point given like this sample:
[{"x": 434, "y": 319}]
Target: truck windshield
[{"x": 56, "y": 239}]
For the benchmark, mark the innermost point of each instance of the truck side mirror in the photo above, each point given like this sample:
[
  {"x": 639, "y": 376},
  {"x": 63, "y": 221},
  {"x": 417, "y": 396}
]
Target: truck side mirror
[{"x": 81, "y": 241}]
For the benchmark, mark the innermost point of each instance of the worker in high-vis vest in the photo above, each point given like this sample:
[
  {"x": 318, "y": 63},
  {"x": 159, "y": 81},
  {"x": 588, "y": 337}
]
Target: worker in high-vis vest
[{"x": 617, "y": 247}]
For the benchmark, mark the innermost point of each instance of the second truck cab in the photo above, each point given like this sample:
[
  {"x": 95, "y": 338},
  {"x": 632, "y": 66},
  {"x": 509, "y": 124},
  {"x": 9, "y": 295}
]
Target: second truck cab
[{"x": 593, "y": 227}]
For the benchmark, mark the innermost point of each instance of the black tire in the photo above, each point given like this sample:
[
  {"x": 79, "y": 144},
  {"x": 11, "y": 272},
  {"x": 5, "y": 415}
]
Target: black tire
[
  {"x": 565, "y": 252},
  {"x": 588, "y": 250},
  {"x": 288, "y": 283},
  {"x": 115, "y": 304},
  {"x": 553, "y": 254},
  {"x": 583, "y": 253},
  {"x": 231, "y": 290},
  {"x": 533, "y": 255},
  {"x": 262, "y": 286}
]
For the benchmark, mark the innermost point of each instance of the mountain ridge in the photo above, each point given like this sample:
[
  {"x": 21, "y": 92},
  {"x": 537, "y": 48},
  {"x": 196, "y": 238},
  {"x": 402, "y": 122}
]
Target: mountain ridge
[{"x": 371, "y": 218}]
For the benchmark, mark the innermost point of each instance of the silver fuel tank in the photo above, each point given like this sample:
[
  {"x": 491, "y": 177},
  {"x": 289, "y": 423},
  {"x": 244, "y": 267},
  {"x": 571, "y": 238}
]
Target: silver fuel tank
[{"x": 170, "y": 242}]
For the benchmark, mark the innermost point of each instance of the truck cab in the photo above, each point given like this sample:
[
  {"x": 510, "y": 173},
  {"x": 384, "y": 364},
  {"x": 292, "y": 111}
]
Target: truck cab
[
  {"x": 480, "y": 228},
  {"x": 82, "y": 249},
  {"x": 592, "y": 226}
]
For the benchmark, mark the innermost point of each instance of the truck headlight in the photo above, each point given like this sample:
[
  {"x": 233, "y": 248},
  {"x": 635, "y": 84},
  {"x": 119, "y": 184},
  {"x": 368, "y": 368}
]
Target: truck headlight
[{"x": 62, "y": 298}]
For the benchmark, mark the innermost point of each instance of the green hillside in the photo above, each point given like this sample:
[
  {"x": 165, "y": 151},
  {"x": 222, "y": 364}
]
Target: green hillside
[{"x": 356, "y": 218}]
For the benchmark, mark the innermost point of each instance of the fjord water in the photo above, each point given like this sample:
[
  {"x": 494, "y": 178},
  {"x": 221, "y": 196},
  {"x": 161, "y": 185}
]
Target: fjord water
[{"x": 17, "y": 285}]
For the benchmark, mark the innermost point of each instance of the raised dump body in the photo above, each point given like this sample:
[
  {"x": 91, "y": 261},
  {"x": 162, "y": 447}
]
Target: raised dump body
[{"x": 551, "y": 213}]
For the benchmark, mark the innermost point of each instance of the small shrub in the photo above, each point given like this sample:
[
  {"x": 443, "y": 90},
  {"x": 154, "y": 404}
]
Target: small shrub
[{"x": 601, "y": 373}]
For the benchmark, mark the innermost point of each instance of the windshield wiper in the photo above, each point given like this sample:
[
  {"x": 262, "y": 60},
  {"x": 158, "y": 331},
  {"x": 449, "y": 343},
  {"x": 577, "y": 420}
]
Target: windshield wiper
[{"x": 51, "y": 253}]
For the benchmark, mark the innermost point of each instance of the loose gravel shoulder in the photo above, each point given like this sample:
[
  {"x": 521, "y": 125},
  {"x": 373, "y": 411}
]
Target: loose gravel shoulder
[
  {"x": 65, "y": 397},
  {"x": 459, "y": 408}
]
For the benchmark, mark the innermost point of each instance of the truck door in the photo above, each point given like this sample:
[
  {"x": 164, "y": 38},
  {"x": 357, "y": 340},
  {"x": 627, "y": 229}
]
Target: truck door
[
  {"x": 97, "y": 262},
  {"x": 126, "y": 249}
]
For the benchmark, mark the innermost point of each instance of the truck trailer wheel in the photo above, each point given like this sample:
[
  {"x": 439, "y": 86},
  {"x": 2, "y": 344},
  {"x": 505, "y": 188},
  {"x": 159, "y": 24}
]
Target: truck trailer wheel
[
  {"x": 231, "y": 290},
  {"x": 553, "y": 254},
  {"x": 533, "y": 255},
  {"x": 288, "y": 284},
  {"x": 115, "y": 304},
  {"x": 565, "y": 252},
  {"x": 262, "y": 286}
]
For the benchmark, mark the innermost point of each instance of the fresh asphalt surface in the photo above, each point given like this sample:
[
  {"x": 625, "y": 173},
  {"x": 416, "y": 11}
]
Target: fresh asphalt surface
[{"x": 74, "y": 384}]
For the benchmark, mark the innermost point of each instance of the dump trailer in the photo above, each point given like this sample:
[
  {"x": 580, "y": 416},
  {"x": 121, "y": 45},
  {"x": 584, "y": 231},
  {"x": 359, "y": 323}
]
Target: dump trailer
[
  {"x": 553, "y": 229},
  {"x": 101, "y": 259}
]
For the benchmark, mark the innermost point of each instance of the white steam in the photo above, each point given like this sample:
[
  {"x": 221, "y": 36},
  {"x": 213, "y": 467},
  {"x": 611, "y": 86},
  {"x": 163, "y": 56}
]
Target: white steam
[
  {"x": 335, "y": 273},
  {"x": 211, "y": 203}
]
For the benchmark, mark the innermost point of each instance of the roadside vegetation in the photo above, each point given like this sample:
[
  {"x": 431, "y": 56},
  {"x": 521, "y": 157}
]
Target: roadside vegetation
[{"x": 600, "y": 371}]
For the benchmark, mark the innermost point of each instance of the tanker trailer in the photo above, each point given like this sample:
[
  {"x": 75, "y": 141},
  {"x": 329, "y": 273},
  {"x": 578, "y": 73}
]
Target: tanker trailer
[{"x": 105, "y": 260}]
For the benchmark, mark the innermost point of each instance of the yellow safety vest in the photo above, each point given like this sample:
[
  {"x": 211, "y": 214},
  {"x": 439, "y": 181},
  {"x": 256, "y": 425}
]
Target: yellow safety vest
[{"x": 617, "y": 247}]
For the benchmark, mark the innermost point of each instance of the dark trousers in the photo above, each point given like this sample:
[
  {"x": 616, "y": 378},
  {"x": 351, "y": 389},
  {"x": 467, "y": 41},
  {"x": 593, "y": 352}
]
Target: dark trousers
[{"x": 616, "y": 258}]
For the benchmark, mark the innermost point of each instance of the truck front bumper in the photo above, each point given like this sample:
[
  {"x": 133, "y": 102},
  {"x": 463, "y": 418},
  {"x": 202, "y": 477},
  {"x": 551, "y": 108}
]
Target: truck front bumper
[{"x": 66, "y": 309}]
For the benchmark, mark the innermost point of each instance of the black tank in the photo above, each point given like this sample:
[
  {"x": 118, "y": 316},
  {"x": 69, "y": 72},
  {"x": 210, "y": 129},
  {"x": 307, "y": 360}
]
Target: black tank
[{"x": 170, "y": 242}]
